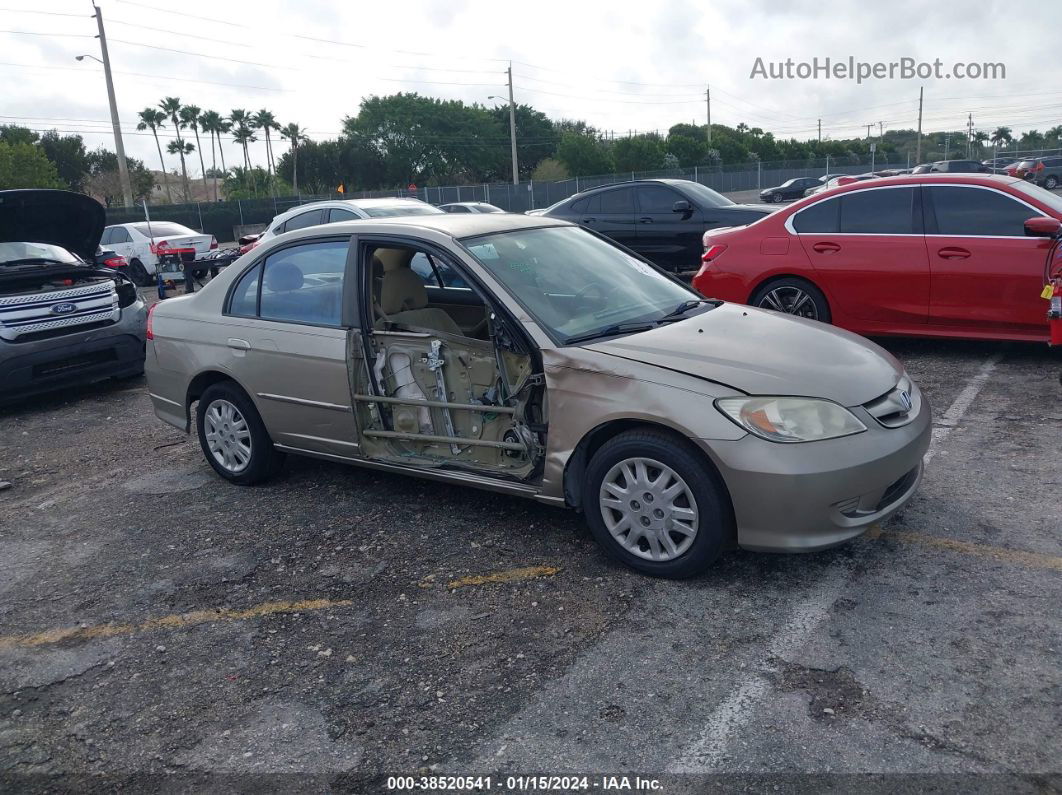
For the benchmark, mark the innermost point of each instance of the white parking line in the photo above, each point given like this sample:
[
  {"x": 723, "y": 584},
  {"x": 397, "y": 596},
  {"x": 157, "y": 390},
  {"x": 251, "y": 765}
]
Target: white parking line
[{"x": 708, "y": 750}]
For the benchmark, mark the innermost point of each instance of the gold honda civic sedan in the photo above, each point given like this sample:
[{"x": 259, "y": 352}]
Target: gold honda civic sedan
[{"x": 532, "y": 357}]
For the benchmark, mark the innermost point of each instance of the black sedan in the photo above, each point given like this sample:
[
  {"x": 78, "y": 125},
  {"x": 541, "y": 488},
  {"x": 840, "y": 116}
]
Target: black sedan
[
  {"x": 790, "y": 189},
  {"x": 661, "y": 219}
]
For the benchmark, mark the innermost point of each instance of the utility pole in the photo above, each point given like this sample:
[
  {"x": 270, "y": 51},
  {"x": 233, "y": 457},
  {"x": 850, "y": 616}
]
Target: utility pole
[
  {"x": 119, "y": 146},
  {"x": 947, "y": 144},
  {"x": 820, "y": 131},
  {"x": 512, "y": 126},
  {"x": 708, "y": 102},
  {"x": 881, "y": 129},
  {"x": 868, "y": 126},
  {"x": 969, "y": 135},
  {"x": 918, "y": 145}
]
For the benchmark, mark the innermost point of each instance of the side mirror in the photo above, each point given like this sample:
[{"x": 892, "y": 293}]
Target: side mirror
[
  {"x": 681, "y": 206},
  {"x": 1042, "y": 226}
]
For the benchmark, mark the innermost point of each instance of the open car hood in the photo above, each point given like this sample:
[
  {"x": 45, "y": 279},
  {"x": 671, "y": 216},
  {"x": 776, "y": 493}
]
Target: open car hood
[
  {"x": 63, "y": 218},
  {"x": 765, "y": 353}
]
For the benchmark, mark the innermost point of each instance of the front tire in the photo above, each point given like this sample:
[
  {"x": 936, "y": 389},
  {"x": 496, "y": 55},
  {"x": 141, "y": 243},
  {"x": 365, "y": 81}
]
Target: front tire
[
  {"x": 653, "y": 504},
  {"x": 793, "y": 296},
  {"x": 233, "y": 437},
  {"x": 1051, "y": 182}
]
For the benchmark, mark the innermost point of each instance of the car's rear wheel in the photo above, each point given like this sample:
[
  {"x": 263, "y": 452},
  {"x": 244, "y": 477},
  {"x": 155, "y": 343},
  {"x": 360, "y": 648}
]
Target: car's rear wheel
[
  {"x": 653, "y": 504},
  {"x": 1051, "y": 182},
  {"x": 793, "y": 296},
  {"x": 138, "y": 273},
  {"x": 234, "y": 439}
]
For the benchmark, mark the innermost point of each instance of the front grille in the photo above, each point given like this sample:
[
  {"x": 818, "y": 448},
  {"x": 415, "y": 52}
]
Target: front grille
[
  {"x": 27, "y": 317},
  {"x": 61, "y": 366},
  {"x": 891, "y": 410}
]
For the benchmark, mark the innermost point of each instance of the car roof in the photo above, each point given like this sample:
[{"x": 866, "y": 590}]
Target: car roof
[
  {"x": 359, "y": 203},
  {"x": 467, "y": 204},
  {"x": 920, "y": 179},
  {"x": 456, "y": 225}
]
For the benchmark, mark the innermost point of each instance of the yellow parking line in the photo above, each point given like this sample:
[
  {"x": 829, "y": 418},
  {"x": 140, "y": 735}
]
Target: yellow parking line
[
  {"x": 512, "y": 575},
  {"x": 174, "y": 621},
  {"x": 1017, "y": 557}
]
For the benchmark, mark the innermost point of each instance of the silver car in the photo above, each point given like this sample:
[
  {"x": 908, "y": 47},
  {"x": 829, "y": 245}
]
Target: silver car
[
  {"x": 63, "y": 319},
  {"x": 529, "y": 356}
]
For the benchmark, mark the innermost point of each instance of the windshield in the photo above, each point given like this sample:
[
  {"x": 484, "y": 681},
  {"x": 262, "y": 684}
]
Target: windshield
[
  {"x": 706, "y": 197},
  {"x": 27, "y": 252},
  {"x": 392, "y": 210},
  {"x": 1042, "y": 195},
  {"x": 574, "y": 283},
  {"x": 788, "y": 183},
  {"x": 163, "y": 229}
]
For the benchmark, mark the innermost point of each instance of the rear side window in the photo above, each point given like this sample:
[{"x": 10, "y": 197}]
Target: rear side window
[
  {"x": 336, "y": 214},
  {"x": 244, "y": 302},
  {"x": 579, "y": 206},
  {"x": 618, "y": 201},
  {"x": 108, "y": 237},
  {"x": 975, "y": 212},
  {"x": 304, "y": 284},
  {"x": 885, "y": 211},
  {"x": 304, "y": 220},
  {"x": 821, "y": 218}
]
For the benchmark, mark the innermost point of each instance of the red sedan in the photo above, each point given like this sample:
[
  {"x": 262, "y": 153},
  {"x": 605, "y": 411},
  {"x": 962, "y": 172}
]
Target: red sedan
[{"x": 933, "y": 255}]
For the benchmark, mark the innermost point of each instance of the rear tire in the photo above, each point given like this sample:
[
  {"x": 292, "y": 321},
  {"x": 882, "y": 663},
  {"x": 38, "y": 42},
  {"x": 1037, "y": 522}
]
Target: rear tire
[
  {"x": 653, "y": 504},
  {"x": 793, "y": 296},
  {"x": 233, "y": 437},
  {"x": 138, "y": 273},
  {"x": 1051, "y": 182}
]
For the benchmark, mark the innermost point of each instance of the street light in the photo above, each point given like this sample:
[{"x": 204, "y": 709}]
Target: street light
[
  {"x": 512, "y": 126},
  {"x": 119, "y": 145}
]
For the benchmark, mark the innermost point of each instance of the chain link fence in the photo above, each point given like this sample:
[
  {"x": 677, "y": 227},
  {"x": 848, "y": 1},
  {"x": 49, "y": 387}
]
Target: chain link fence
[{"x": 222, "y": 219}]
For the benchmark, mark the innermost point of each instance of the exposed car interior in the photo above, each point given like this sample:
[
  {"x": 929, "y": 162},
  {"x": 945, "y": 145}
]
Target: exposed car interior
[{"x": 456, "y": 389}]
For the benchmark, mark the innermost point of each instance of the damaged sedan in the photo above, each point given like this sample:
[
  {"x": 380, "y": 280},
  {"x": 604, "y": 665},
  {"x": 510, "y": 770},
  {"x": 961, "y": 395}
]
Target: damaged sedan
[{"x": 531, "y": 357}]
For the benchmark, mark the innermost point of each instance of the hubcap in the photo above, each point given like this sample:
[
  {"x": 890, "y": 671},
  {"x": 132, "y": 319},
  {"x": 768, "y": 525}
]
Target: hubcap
[
  {"x": 648, "y": 509},
  {"x": 792, "y": 301},
  {"x": 227, "y": 435}
]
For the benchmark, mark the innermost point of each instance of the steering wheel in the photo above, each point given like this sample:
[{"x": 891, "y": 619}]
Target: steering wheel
[{"x": 582, "y": 296}]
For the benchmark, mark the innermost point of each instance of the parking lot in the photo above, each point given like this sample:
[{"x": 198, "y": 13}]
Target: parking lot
[{"x": 346, "y": 623}]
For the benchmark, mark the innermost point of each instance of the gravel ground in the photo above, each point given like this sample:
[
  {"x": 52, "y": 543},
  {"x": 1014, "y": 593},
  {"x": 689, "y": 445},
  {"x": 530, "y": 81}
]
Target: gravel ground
[{"x": 346, "y": 623}]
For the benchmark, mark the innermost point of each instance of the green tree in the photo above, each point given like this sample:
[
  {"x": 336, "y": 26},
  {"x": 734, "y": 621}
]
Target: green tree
[
  {"x": 13, "y": 134},
  {"x": 1001, "y": 137},
  {"x": 639, "y": 153},
  {"x": 536, "y": 138},
  {"x": 1055, "y": 133},
  {"x": 266, "y": 121},
  {"x": 549, "y": 170},
  {"x": 584, "y": 155},
  {"x": 104, "y": 181},
  {"x": 152, "y": 119},
  {"x": 242, "y": 135},
  {"x": 191, "y": 115},
  {"x": 24, "y": 165},
  {"x": 212, "y": 123},
  {"x": 68, "y": 154},
  {"x": 171, "y": 106}
]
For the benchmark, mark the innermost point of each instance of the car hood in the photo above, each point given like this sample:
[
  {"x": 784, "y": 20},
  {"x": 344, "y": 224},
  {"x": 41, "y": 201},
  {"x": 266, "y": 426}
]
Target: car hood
[
  {"x": 765, "y": 353},
  {"x": 71, "y": 220},
  {"x": 756, "y": 207}
]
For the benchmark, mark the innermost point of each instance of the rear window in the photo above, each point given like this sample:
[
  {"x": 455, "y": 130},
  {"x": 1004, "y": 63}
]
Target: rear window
[
  {"x": 884, "y": 211},
  {"x": 821, "y": 218},
  {"x": 163, "y": 229},
  {"x": 393, "y": 210}
]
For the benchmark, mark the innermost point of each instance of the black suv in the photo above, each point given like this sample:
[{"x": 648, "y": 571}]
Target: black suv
[{"x": 661, "y": 219}]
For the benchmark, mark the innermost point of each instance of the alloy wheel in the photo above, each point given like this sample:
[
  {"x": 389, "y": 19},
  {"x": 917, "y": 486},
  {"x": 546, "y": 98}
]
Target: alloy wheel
[
  {"x": 648, "y": 509},
  {"x": 792, "y": 301},
  {"x": 228, "y": 436}
]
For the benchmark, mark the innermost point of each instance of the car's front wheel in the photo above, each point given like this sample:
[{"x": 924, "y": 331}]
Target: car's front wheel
[
  {"x": 793, "y": 296},
  {"x": 652, "y": 503},
  {"x": 1051, "y": 182},
  {"x": 234, "y": 439}
]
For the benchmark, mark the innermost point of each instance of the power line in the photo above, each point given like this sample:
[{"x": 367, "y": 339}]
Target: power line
[
  {"x": 38, "y": 33},
  {"x": 145, "y": 75}
]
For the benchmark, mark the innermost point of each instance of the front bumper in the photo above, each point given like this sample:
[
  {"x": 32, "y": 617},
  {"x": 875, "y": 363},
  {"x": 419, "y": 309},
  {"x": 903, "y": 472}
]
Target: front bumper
[
  {"x": 805, "y": 497},
  {"x": 28, "y": 368}
]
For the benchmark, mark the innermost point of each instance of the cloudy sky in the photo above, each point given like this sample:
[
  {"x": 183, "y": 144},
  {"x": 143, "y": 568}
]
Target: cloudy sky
[{"x": 619, "y": 65}]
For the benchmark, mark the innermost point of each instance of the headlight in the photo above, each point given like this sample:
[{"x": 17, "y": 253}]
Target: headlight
[{"x": 790, "y": 419}]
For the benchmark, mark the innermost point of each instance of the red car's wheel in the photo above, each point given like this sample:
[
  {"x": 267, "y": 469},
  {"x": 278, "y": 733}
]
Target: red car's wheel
[{"x": 794, "y": 297}]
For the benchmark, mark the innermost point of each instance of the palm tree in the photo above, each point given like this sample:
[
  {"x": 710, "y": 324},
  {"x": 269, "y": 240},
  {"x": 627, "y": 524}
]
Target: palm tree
[
  {"x": 266, "y": 121},
  {"x": 190, "y": 115},
  {"x": 152, "y": 119},
  {"x": 295, "y": 136},
  {"x": 182, "y": 148},
  {"x": 1000, "y": 137},
  {"x": 243, "y": 135},
  {"x": 171, "y": 106},
  {"x": 979, "y": 138},
  {"x": 1056, "y": 133},
  {"x": 211, "y": 123}
]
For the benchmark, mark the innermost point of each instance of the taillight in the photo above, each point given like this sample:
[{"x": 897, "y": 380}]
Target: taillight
[
  {"x": 712, "y": 252},
  {"x": 1039, "y": 167},
  {"x": 150, "y": 331},
  {"x": 213, "y": 242},
  {"x": 115, "y": 262}
]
